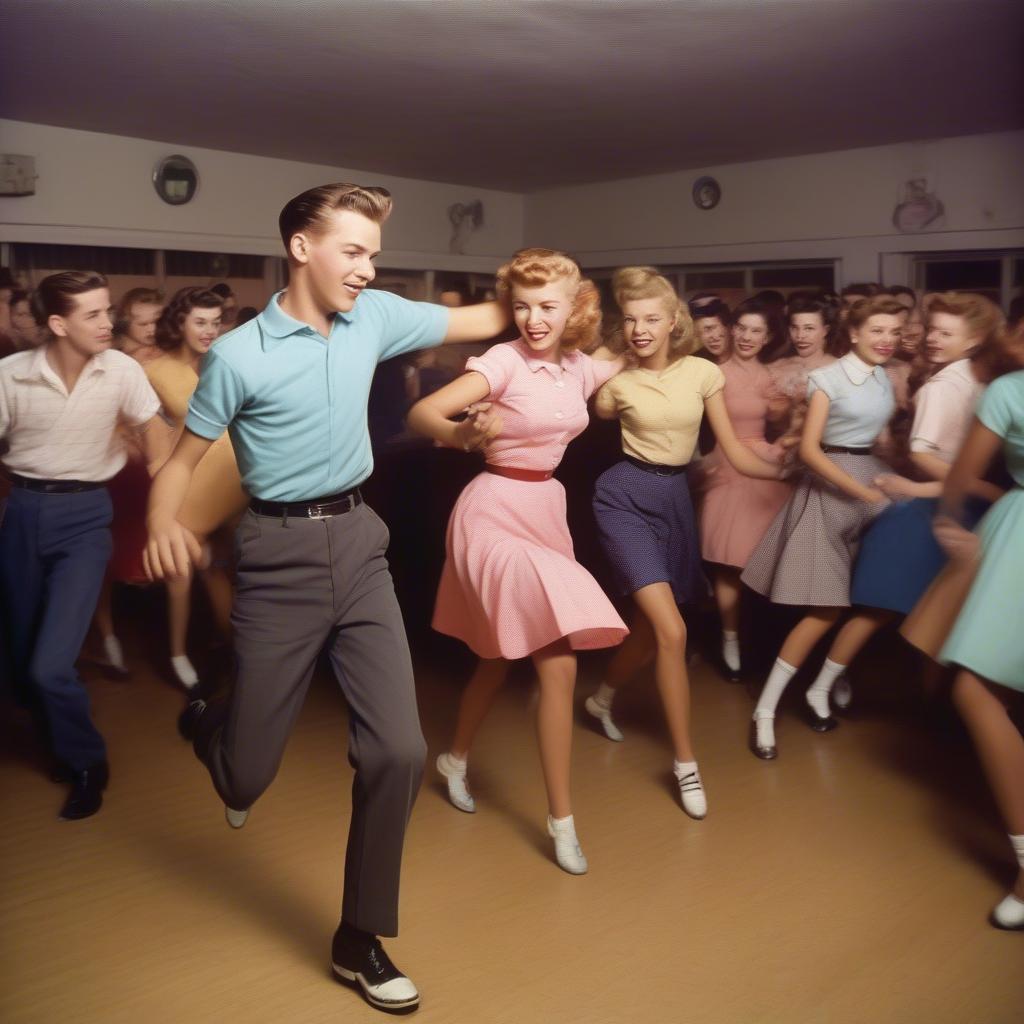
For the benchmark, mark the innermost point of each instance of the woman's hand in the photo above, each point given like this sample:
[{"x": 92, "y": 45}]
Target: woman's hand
[
  {"x": 895, "y": 486},
  {"x": 479, "y": 428},
  {"x": 959, "y": 544}
]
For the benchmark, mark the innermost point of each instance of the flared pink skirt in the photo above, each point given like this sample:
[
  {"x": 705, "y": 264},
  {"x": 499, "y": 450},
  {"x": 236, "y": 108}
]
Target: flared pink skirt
[
  {"x": 511, "y": 584},
  {"x": 736, "y": 510}
]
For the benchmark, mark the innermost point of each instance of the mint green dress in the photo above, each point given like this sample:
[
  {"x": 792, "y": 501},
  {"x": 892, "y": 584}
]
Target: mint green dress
[{"x": 988, "y": 638}]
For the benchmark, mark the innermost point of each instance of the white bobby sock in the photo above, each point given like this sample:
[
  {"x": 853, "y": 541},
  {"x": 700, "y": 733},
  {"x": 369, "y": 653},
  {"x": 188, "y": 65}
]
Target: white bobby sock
[
  {"x": 112, "y": 649},
  {"x": 604, "y": 695},
  {"x": 457, "y": 763},
  {"x": 185, "y": 671},
  {"x": 818, "y": 694},
  {"x": 731, "y": 649},
  {"x": 681, "y": 768},
  {"x": 778, "y": 680},
  {"x": 1017, "y": 842}
]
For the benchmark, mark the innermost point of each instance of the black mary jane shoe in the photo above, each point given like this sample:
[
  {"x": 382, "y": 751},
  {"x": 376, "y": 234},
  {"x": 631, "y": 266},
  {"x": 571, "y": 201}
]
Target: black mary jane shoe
[
  {"x": 764, "y": 753},
  {"x": 819, "y": 724}
]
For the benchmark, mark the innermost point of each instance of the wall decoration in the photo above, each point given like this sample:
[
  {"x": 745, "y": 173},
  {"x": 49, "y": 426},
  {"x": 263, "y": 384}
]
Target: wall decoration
[
  {"x": 706, "y": 193},
  {"x": 465, "y": 218},
  {"x": 918, "y": 208},
  {"x": 175, "y": 179},
  {"x": 17, "y": 175}
]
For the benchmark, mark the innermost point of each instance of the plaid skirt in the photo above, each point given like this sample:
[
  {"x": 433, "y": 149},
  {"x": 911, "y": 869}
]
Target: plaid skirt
[{"x": 806, "y": 556}]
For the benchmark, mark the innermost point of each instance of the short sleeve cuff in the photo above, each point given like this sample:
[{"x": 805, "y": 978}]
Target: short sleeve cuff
[
  {"x": 149, "y": 409},
  {"x": 199, "y": 424},
  {"x": 922, "y": 444},
  {"x": 494, "y": 375}
]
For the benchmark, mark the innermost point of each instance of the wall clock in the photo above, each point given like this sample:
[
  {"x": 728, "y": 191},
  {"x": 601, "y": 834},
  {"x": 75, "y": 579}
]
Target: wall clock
[
  {"x": 175, "y": 179},
  {"x": 706, "y": 193}
]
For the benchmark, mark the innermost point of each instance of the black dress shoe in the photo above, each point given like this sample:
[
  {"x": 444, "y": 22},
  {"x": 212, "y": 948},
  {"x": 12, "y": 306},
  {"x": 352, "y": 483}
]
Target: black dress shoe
[
  {"x": 359, "y": 960},
  {"x": 86, "y": 796},
  {"x": 819, "y": 724},
  {"x": 765, "y": 753},
  {"x": 188, "y": 720},
  {"x": 732, "y": 675}
]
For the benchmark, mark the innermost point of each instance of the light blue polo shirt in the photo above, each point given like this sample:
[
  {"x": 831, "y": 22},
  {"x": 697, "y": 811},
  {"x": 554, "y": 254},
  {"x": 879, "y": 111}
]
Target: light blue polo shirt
[{"x": 294, "y": 403}]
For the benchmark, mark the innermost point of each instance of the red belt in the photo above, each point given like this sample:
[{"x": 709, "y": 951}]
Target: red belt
[{"x": 512, "y": 473}]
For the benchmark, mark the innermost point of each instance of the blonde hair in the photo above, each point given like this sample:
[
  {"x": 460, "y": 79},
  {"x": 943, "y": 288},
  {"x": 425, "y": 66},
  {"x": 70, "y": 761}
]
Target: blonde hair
[
  {"x": 533, "y": 268},
  {"x": 631, "y": 284}
]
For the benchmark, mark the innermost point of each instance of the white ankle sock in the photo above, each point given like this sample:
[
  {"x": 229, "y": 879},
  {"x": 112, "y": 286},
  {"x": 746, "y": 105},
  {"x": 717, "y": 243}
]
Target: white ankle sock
[
  {"x": 681, "y": 768},
  {"x": 1017, "y": 842},
  {"x": 112, "y": 649},
  {"x": 731, "y": 649},
  {"x": 818, "y": 694},
  {"x": 184, "y": 670},
  {"x": 775, "y": 686},
  {"x": 604, "y": 696},
  {"x": 458, "y": 763}
]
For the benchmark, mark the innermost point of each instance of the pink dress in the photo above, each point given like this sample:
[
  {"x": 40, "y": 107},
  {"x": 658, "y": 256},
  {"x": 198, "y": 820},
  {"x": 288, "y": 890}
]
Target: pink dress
[
  {"x": 511, "y": 584},
  {"x": 737, "y": 509}
]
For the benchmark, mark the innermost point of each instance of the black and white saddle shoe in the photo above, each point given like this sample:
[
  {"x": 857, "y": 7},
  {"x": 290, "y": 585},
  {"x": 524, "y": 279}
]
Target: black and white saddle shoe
[{"x": 365, "y": 966}]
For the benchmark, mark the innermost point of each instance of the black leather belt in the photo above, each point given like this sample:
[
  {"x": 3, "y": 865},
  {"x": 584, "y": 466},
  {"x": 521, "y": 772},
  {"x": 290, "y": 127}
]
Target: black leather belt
[
  {"x": 654, "y": 467},
  {"x": 55, "y": 486},
  {"x": 838, "y": 449},
  {"x": 316, "y": 508}
]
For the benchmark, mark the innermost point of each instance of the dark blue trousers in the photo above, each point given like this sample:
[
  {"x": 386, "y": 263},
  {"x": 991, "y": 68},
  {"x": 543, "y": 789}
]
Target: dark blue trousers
[{"x": 54, "y": 550}]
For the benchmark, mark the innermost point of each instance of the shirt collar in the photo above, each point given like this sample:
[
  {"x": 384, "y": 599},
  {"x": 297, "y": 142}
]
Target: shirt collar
[
  {"x": 958, "y": 368},
  {"x": 857, "y": 370},
  {"x": 39, "y": 368},
  {"x": 276, "y": 325},
  {"x": 569, "y": 360}
]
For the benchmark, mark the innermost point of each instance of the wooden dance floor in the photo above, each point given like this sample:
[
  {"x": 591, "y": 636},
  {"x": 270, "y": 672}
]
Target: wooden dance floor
[{"x": 848, "y": 881}]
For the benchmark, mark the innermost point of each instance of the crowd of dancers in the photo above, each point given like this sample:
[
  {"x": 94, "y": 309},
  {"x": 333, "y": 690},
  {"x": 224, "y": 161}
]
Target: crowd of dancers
[{"x": 829, "y": 452}]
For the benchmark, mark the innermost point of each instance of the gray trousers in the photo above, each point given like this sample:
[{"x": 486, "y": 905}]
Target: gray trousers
[{"x": 305, "y": 585}]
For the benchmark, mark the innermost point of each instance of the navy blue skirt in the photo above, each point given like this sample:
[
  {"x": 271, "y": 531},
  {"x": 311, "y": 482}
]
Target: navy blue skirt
[
  {"x": 648, "y": 532},
  {"x": 899, "y": 556}
]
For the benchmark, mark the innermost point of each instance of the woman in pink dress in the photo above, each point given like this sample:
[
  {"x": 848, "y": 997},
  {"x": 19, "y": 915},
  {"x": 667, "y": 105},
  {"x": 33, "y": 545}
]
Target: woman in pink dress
[
  {"x": 511, "y": 586},
  {"x": 737, "y": 510}
]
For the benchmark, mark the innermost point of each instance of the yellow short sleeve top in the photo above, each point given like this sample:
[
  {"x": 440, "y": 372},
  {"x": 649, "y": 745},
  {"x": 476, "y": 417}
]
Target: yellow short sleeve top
[{"x": 661, "y": 411}]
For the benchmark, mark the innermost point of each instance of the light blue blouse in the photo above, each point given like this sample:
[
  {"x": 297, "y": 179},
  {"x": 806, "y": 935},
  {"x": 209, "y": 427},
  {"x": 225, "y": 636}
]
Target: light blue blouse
[{"x": 861, "y": 401}]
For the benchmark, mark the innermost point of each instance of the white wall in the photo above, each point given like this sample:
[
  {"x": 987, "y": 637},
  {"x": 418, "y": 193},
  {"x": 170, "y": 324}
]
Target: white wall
[
  {"x": 829, "y": 205},
  {"x": 97, "y": 190}
]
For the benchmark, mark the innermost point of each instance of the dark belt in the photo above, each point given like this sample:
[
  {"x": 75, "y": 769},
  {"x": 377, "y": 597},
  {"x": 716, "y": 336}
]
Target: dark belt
[
  {"x": 654, "y": 467},
  {"x": 55, "y": 486},
  {"x": 535, "y": 475},
  {"x": 316, "y": 508},
  {"x": 838, "y": 449}
]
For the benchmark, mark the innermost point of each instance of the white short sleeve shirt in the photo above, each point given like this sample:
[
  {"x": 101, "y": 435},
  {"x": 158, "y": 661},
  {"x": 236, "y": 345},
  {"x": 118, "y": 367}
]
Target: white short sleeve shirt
[
  {"x": 943, "y": 410},
  {"x": 53, "y": 435}
]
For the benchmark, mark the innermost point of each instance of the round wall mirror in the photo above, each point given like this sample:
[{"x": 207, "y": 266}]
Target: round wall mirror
[{"x": 175, "y": 179}]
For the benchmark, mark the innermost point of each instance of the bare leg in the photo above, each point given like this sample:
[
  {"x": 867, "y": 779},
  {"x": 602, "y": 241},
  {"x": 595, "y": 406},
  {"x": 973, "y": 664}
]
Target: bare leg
[
  {"x": 634, "y": 653},
  {"x": 104, "y": 616},
  {"x": 556, "y": 667},
  {"x": 728, "y": 591},
  {"x": 179, "y": 602},
  {"x": 1000, "y": 749},
  {"x": 659, "y": 608},
  {"x": 217, "y": 581},
  {"x": 476, "y": 701},
  {"x": 856, "y": 632},
  {"x": 806, "y": 633}
]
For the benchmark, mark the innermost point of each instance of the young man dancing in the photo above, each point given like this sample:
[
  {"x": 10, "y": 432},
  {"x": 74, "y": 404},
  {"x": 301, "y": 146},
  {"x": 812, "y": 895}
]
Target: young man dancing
[{"x": 291, "y": 387}]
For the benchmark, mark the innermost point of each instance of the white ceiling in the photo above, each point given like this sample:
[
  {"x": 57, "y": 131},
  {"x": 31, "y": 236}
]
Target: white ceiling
[{"x": 517, "y": 94}]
